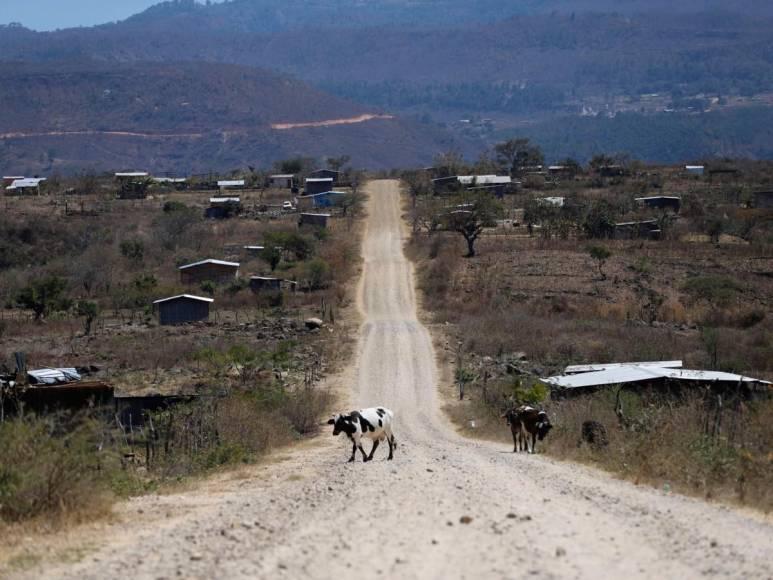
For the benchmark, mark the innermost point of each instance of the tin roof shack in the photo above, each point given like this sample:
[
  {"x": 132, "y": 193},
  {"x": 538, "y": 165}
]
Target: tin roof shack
[
  {"x": 231, "y": 184},
  {"x": 176, "y": 183},
  {"x": 496, "y": 184},
  {"x": 646, "y": 229},
  {"x": 217, "y": 271},
  {"x": 445, "y": 185},
  {"x": 694, "y": 170},
  {"x": 133, "y": 410},
  {"x": 326, "y": 199},
  {"x": 281, "y": 180},
  {"x": 132, "y": 184},
  {"x": 9, "y": 179},
  {"x": 25, "y": 186},
  {"x": 318, "y": 185},
  {"x": 318, "y": 220},
  {"x": 668, "y": 376},
  {"x": 664, "y": 202},
  {"x": 763, "y": 200},
  {"x": 223, "y": 207},
  {"x": 265, "y": 284},
  {"x": 326, "y": 174},
  {"x": 182, "y": 309}
]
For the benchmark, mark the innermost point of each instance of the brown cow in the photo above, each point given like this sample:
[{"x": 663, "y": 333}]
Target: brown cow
[{"x": 525, "y": 421}]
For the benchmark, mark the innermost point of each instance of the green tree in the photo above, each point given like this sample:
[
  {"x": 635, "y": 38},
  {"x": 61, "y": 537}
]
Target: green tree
[
  {"x": 600, "y": 254},
  {"x": 45, "y": 296},
  {"x": 515, "y": 154},
  {"x": 133, "y": 250},
  {"x": 471, "y": 216},
  {"x": 272, "y": 254},
  {"x": 337, "y": 163},
  {"x": 90, "y": 311}
]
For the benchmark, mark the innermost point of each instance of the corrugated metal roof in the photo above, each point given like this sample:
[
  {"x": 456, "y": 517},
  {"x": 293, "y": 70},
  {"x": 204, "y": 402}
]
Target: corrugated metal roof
[
  {"x": 658, "y": 197},
  {"x": 188, "y": 296},
  {"x": 634, "y": 374},
  {"x": 132, "y": 174},
  {"x": 264, "y": 278},
  {"x": 664, "y": 364},
  {"x": 282, "y": 176},
  {"x": 54, "y": 376},
  {"x": 231, "y": 183},
  {"x": 170, "y": 179},
  {"x": 318, "y": 179},
  {"x": 225, "y": 199},
  {"x": 327, "y": 215},
  {"x": 484, "y": 179},
  {"x": 26, "y": 182},
  {"x": 321, "y": 194},
  {"x": 217, "y": 262}
]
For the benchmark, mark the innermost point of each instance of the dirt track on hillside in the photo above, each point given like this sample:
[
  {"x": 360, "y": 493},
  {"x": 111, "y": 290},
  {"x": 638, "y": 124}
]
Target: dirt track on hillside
[
  {"x": 312, "y": 515},
  {"x": 331, "y": 122}
]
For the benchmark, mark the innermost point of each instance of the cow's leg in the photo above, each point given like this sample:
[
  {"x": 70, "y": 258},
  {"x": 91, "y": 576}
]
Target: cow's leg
[
  {"x": 533, "y": 442},
  {"x": 354, "y": 451},
  {"x": 392, "y": 445},
  {"x": 364, "y": 455},
  {"x": 372, "y": 451},
  {"x": 514, "y": 431}
]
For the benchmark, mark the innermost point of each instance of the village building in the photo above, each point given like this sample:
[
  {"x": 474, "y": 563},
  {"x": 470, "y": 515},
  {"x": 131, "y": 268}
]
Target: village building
[
  {"x": 326, "y": 199},
  {"x": 281, "y": 181},
  {"x": 319, "y": 185},
  {"x": 231, "y": 184},
  {"x": 223, "y": 207},
  {"x": 665, "y": 375},
  {"x": 318, "y": 220},
  {"x": 644, "y": 229},
  {"x": 664, "y": 202},
  {"x": 132, "y": 184},
  {"x": 265, "y": 284},
  {"x": 696, "y": 170},
  {"x": 25, "y": 186},
  {"x": 217, "y": 271},
  {"x": 182, "y": 309},
  {"x": 326, "y": 174}
]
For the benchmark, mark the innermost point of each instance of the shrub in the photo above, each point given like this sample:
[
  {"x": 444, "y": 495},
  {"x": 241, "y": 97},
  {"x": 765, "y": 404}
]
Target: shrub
[
  {"x": 718, "y": 290},
  {"x": 42, "y": 472},
  {"x": 133, "y": 250},
  {"x": 45, "y": 296},
  {"x": 316, "y": 274}
]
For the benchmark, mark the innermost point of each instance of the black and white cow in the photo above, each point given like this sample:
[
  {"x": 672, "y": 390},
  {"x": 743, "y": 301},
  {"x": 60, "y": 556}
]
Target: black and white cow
[
  {"x": 525, "y": 422},
  {"x": 374, "y": 423}
]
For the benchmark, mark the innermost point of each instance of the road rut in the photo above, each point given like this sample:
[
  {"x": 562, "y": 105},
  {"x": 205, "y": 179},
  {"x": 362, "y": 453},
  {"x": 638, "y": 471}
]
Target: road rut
[{"x": 313, "y": 515}]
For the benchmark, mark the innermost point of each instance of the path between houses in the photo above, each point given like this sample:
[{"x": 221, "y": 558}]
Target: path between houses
[{"x": 312, "y": 515}]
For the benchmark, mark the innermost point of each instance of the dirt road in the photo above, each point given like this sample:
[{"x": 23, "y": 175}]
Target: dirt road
[
  {"x": 314, "y": 516},
  {"x": 330, "y": 122}
]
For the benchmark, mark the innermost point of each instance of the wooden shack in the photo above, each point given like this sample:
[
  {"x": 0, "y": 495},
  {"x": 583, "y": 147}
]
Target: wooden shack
[
  {"x": 281, "y": 181},
  {"x": 182, "y": 309},
  {"x": 664, "y": 202},
  {"x": 217, "y": 271},
  {"x": 265, "y": 284},
  {"x": 318, "y": 220},
  {"x": 326, "y": 174},
  {"x": 319, "y": 185},
  {"x": 133, "y": 184}
]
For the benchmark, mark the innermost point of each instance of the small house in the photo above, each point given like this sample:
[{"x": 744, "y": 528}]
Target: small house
[
  {"x": 216, "y": 271},
  {"x": 319, "y": 185},
  {"x": 496, "y": 184},
  {"x": 132, "y": 184},
  {"x": 326, "y": 199},
  {"x": 182, "y": 309},
  {"x": 696, "y": 170},
  {"x": 178, "y": 183},
  {"x": 254, "y": 250},
  {"x": 318, "y": 220},
  {"x": 645, "y": 229},
  {"x": 326, "y": 174},
  {"x": 763, "y": 200},
  {"x": 265, "y": 284},
  {"x": 25, "y": 186},
  {"x": 223, "y": 207},
  {"x": 663, "y": 202},
  {"x": 231, "y": 184},
  {"x": 9, "y": 179},
  {"x": 281, "y": 181},
  {"x": 441, "y": 185}
]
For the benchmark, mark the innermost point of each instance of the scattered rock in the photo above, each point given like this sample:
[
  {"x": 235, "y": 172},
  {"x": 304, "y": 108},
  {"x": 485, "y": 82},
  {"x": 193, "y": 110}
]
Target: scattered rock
[
  {"x": 313, "y": 323},
  {"x": 195, "y": 557},
  {"x": 713, "y": 543},
  {"x": 511, "y": 516},
  {"x": 560, "y": 552},
  {"x": 465, "y": 520}
]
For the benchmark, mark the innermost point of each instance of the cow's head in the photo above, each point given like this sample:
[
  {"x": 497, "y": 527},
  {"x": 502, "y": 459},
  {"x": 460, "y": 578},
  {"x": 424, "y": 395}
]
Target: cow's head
[
  {"x": 342, "y": 423},
  {"x": 543, "y": 425},
  {"x": 509, "y": 416}
]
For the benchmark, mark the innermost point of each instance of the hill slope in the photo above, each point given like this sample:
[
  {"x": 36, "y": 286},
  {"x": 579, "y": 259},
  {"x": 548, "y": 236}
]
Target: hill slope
[{"x": 185, "y": 117}]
